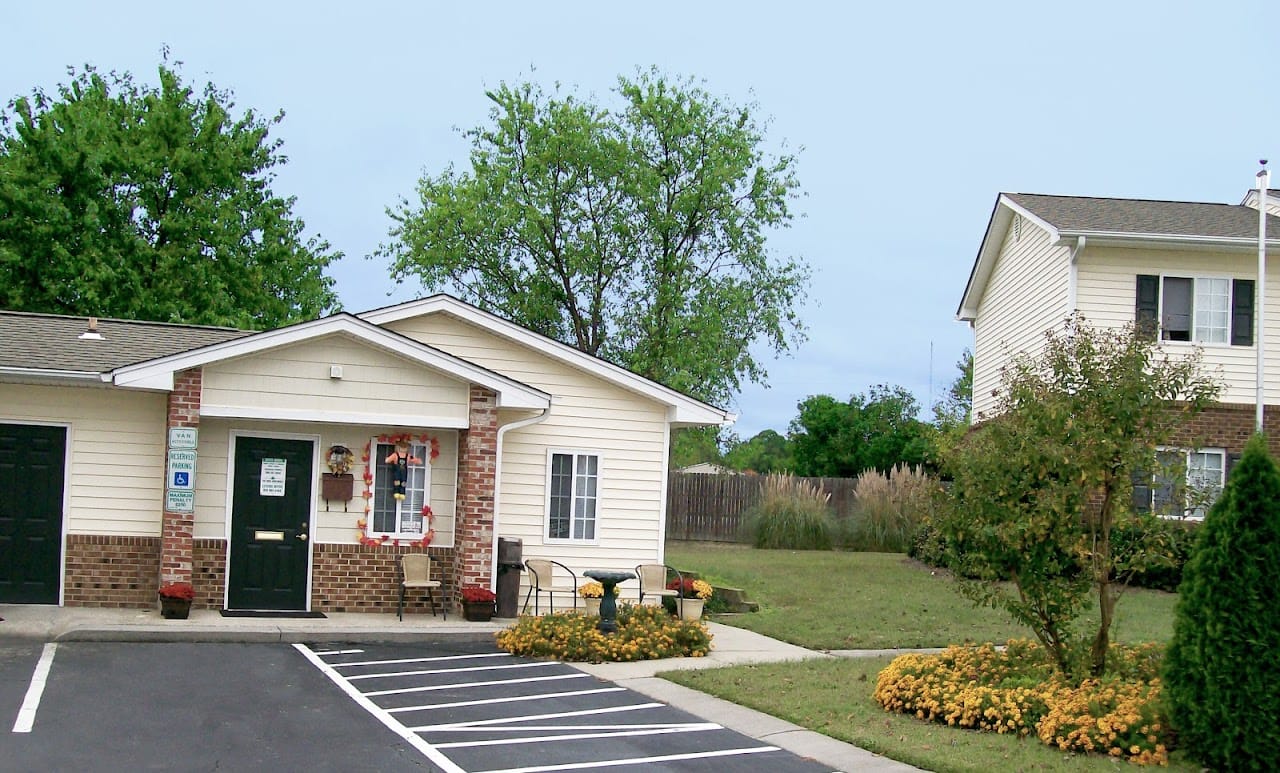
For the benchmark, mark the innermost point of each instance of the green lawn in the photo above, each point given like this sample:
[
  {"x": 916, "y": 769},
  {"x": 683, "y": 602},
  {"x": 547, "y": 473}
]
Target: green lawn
[
  {"x": 835, "y": 600},
  {"x": 831, "y": 600}
]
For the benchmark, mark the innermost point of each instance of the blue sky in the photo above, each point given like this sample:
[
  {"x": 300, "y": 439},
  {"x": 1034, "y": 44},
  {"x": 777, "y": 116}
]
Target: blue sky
[{"x": 910, "y": 118}]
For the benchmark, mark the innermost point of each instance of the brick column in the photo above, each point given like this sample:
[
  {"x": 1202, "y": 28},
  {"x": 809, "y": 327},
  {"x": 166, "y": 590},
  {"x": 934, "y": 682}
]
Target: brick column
[
  {"x": 477, "y": 465},
  {"x": 176, "y": 543}
]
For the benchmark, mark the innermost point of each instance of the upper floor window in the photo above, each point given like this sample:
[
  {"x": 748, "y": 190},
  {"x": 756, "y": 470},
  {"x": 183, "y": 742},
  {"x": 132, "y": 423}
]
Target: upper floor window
[
  {"x": 1205, "y": 310},
  {"x": 572, "y": 498}
]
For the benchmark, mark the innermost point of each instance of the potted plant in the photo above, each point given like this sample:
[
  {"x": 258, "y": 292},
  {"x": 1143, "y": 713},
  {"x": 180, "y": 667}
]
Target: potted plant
[
  {"x": 592, "y": 592},
  {"x": 175, "y": 600},
  {"x": 693, "y": 594},
  {"x": 477, "y": 603}
]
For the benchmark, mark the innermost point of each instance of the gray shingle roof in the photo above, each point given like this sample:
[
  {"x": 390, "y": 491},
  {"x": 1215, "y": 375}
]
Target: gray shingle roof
[
  {"x": 52, "y": 342},
  {"x": 1138, "y": 216}
]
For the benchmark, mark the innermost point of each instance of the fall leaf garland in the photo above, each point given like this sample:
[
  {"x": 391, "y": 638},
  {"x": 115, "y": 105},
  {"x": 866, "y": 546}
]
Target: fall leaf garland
[{"x": 433, "y": 444}]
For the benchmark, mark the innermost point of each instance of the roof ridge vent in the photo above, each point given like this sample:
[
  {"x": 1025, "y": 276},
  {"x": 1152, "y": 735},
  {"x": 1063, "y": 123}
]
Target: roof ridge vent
[{"x": 92, "y": 333}]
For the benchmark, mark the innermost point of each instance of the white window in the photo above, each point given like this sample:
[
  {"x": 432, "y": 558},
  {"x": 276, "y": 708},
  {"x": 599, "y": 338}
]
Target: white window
[
  {"x": 1196, "y": 310},
  {"x": 1185, "y": 485},
  {"x": 573, "y": 479},
  {"x": 399, "y": 518}
]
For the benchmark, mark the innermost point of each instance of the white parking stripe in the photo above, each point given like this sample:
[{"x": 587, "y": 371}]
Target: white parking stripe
[
  {"x": 506, "y": 699},
  {"x": 429, "y": 671},
  {"x": 413, "y": 739},
  {"x": 338, "y": 652},
  {"x": 557, "y": 715},
  {"x": 419, "y": 660},
  {"x": 577, "y": 736},
  {"x": 465, "y": 685},
  {"x": 551, "y": 728},
  {"x": 636, "y": 760},
  {"x": 27, "y": 714}
]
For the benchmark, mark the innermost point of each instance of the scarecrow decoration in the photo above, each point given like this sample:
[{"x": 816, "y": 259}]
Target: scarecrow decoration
[{"x": 402, "y": 457}]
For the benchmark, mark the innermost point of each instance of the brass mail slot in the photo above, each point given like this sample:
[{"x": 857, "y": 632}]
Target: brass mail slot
[{"x": 268, "y": 536}]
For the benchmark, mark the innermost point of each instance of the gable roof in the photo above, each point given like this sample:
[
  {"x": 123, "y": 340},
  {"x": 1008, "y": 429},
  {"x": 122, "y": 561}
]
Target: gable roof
[
  {"x": 50, "y": 344},
  {"x": 159, "y": 373},
  {"x": 682, "y": 409},
  {"x": 1086, "y": 215},
  {"x": 1073, "y": 220}
]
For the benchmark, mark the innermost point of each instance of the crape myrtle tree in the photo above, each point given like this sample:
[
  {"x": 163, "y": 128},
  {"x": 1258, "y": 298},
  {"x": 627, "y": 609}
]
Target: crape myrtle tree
[
  {"x": 635, "y": 232},
  {"x": 1222, "y": 676},
  {"x": 119, "y": 199},
  {"x": 1039, "y": 489}
]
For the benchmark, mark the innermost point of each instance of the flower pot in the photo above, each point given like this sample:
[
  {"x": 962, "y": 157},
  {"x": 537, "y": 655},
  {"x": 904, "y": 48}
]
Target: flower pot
[
  {"x": 174, "y": 609},
  {"x": 477, "y": 611},
  {"x": 690, "y": 609},
  {"x": 593, "y": 606}
]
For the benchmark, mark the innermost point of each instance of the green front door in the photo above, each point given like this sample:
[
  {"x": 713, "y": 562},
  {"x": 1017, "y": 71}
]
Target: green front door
[
  {"x": 32, "y": 462},
  {"x": 270, "y": 524}
]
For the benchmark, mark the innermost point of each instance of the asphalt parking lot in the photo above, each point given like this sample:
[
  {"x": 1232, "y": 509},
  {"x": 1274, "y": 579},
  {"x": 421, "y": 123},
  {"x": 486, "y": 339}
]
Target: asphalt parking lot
[{"x": 446, "y": 705}]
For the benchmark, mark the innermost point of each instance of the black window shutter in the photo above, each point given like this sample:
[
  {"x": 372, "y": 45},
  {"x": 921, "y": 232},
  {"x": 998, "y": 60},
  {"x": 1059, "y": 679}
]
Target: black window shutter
[
  {"x": 1232, "y": 459},
  {"x": 1147, "y": 308},
  {"x": 1242, "y": 312}
]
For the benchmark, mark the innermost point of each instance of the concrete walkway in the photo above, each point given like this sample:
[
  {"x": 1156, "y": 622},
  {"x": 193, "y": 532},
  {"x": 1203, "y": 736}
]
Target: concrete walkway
[{"x": 730, "y": 646}]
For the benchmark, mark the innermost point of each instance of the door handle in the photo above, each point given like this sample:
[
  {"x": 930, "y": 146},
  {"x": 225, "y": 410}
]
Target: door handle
[{"x": 302, "y": 537}]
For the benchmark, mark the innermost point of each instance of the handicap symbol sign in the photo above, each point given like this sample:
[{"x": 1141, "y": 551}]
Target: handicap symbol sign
[{"x": 181, "y": 479}]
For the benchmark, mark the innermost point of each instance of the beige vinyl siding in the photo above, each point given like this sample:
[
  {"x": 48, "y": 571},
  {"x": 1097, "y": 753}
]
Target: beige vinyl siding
[
  {"x": 1107, "y": 280},
  {"x": 115, "y": 451},
  {"x": 1025, "y": 296},
  {"x": 297, "y": 377},
  {"x": 331, "y": 523},
  {"x": 588, "y": 414}
]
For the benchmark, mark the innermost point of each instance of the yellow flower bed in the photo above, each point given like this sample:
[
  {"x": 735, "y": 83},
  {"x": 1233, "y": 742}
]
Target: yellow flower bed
[
  {"x": 1017, "y": 691},
  {"x": 644, "y": 633}
]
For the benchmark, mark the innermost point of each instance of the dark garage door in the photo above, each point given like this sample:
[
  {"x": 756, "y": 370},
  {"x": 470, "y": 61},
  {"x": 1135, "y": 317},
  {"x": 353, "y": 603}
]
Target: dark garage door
[{"x": 31, "y": 478}]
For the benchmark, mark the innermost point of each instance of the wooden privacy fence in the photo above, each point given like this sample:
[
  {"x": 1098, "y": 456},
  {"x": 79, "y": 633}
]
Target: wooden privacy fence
[{"x": 714, "y": 507}]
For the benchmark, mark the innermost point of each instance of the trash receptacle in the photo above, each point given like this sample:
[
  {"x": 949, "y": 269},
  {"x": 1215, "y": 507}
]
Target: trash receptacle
[{"x": 510, "y": 562}]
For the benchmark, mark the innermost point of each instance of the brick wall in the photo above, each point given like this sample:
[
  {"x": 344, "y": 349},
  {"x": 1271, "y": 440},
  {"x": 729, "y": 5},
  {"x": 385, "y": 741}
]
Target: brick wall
[
  {"x": 477, "y": 467},
  {"x": 111, "y": 571},
  {"x": 363, "y": 578},
  {"x": 1229, "y": 426},
  {"x": 176, "y": 528},
  {"x": 209, "y": 573}
]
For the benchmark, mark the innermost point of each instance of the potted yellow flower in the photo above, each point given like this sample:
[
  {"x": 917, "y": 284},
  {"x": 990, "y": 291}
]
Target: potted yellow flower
[
  {"x": 592, "y": 592},
  {"x": 694, "y": 593}
]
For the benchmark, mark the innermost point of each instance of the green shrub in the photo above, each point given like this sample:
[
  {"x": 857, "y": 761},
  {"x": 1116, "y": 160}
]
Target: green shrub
[
  {"x": 644, "y": 633},
  {"x": 791, "y": 514},
  {"x": 1172, "y": 537},
  {"x": 1222, "y": 673}
]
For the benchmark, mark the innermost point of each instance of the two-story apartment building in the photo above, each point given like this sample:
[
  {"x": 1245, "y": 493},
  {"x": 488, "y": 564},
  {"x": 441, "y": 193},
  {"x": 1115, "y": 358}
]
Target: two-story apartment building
[{"x": 1189, "y": 269}]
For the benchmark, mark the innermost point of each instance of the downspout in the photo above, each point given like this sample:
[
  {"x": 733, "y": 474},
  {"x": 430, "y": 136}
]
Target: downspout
[
  {"x": 497, "y": 484},
  {"x": 1072, "y": 270}
]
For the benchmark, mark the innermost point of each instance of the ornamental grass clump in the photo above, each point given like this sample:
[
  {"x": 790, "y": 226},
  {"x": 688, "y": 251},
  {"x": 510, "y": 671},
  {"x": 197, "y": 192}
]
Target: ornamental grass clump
[
  {"x": 888, "y": 509},
  {"x": 791, "y": 514},
  {"x": 644, "y": 633},
  {"x": 1018, "y": 691}
]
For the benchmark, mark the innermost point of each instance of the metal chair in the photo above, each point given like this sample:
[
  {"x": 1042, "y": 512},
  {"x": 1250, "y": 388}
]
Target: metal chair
[
  {"x": 415, "y": 572},
  {"x": 542, "y": 580},
  {"x": 653, "y": 582}
]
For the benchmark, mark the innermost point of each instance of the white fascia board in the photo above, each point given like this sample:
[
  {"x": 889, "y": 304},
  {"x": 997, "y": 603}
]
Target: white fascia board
[
  {"x": 1164, "y": 241},
  {"x": 989, "y": 252},
  {"x": 52, "y": 374},
  {"x": 158, "y": 373},
  {"x": 331, "y": 417},
  {"x": 687, "y": 410}
]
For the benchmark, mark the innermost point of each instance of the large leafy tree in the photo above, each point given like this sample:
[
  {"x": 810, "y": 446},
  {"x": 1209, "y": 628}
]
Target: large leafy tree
[
  {"x": 636, "y": 233},
  {"x": 878, "y": 430},
  {"x": 1038, "y": 491},
  {"x": 1221, "y": 674},
  {"x": 764, "y": 452},
  {"x": 150, "y": 202}
]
